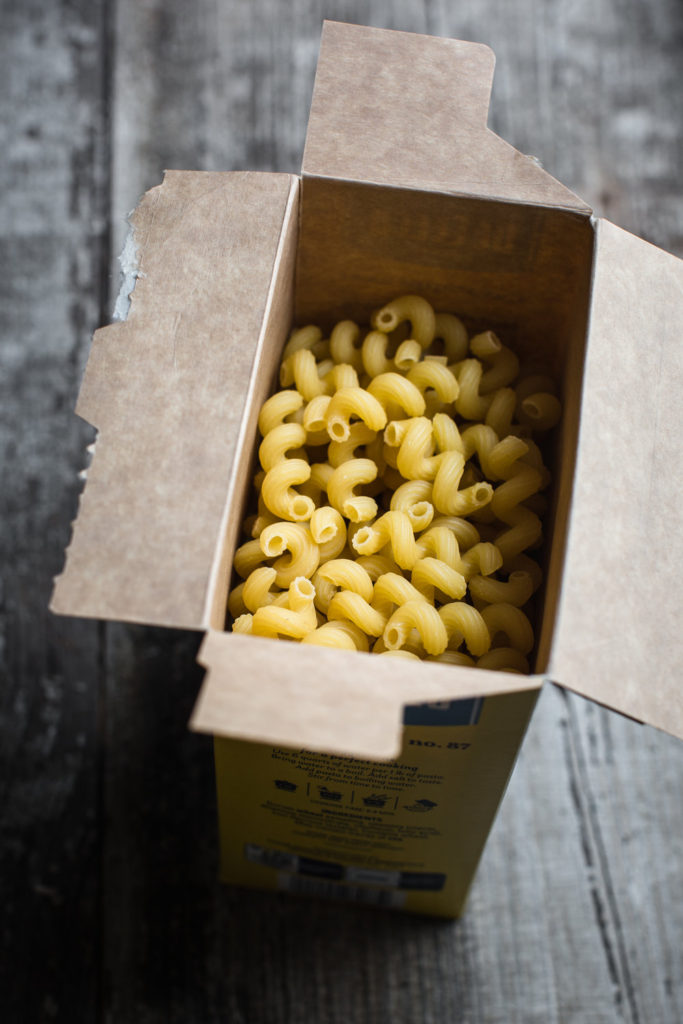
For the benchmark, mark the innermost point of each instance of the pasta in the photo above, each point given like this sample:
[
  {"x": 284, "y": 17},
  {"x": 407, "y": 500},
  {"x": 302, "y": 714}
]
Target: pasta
[{"x": 400, "y": 489}]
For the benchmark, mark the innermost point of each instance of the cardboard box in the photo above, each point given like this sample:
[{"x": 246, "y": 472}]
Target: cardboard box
[{"x": 322, "y": 787}]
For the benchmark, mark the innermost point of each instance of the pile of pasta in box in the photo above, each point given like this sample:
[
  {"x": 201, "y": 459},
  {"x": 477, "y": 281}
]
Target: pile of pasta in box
[{"x": 380, "y": 432}]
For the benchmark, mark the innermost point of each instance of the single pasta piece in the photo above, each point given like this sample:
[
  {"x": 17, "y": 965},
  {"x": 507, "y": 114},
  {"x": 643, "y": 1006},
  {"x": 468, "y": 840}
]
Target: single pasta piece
[
  {"x": 302, "y": 337},
  {"x": 256, "y": 588},
  {"x": 349, "y": 575},
  {"x": 276, "y": 408},
  {"x": 421, "y": 616},
  {"x": 392, "y": 528},
  {"x": 445, "y": 494},
  {"x": 278, "y": 493},
  {"x": 342, "y": 375},
  {"x": 329, "y": 635},
  {"x": 343, "y": 344},
  {"x": 248, "y": 557},
  {"x": 302, "y": 370},
  {"x": 328, "y": 530},
  {"x": 430, "y": 574},
  {"x": 347, "y": 605},
  {"x": 452, "y": 331},
  {"x": 343, "y": 451},
  {"x": 431, "y": 374},
  {"x": 408, "y": 307},
  {"x": 278, "y": 441},
  {"x": 506, "y": 618},
  {"x": 393, "y": 388},
  {"x": 378, "y": 565},
  {"x": 517, "y": 589},
  {"x": 541, "y": 410},
  {"x": 349, "y": 402},
  {"x": 470, "y": 403},
  {"x": 414, "y": 460},
  {"x": 295, "y": 621},
  {"x": 463, "y": 622},
  {"x": 243, "y": 623},
  {"x": 504, "y": 362},
  {"x": 357, "y": 507},
  {"x": 314, "y": 418},
  {"x": 413, "y": 498},
  {"x": 295, "y": 538},
  {"x": 501, "y": 411},
  {"x": 408, "y": 353},
  {"x": 374, "y": 354},
  {"x": 391, "y": 589}
]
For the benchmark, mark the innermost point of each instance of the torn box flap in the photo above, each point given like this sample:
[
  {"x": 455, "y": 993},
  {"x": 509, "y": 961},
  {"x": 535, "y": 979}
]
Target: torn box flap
[
  {"x": 341, "y": 702},
  {"x": 618, "y": 630},
  {"x": 167, "y": 390},
  {"x": 396, "y": 108}
]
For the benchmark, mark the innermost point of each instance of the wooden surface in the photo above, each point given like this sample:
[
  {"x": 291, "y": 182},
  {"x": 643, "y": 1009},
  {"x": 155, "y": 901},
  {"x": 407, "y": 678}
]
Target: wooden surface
[{"x": 111, "y": 910}]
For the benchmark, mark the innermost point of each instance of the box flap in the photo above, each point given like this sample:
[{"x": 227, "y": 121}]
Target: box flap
[
  {"x": 407, "y": 110},
  {"x": 618, "y": 631},
  {"x": 166, "y": 390},
  {"x": 340, "y": 702}
]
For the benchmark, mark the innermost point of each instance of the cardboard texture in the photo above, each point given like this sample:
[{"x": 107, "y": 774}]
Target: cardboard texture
[
  {"x": 166, "y": 391},
  {"x": 404, "y": 189}
]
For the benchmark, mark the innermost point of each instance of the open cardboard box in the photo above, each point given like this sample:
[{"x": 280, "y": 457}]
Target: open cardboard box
[{"x": 404, "y": 189}]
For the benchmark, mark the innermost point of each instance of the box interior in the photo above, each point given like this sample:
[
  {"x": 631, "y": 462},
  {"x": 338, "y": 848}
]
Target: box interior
[{"x": 523, "y": 271}]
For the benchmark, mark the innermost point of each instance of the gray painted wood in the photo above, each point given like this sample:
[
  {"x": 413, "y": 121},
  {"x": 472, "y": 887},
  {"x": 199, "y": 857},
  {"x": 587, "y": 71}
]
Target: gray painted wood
[{"x": 108, "y": 838}]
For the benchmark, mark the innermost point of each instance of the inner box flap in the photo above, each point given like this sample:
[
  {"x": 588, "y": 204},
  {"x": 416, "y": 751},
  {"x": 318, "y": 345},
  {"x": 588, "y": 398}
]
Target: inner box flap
[
  {"x": 618, "y": 630},
  {"x": 167, "y": 391},
  {"x": 250, "y": 693},
  {"x": 407, "y": 110}
]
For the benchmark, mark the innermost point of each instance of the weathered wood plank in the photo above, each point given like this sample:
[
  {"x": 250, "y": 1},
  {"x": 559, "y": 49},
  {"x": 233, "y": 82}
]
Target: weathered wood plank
[{"x": 53, "y": 178}]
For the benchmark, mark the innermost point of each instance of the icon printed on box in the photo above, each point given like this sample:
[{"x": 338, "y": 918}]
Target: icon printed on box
[
  {"x": 421, "y": 805},
  {"x": 285, "y": 784},
  {"x": 375, "y": 800},
  {"x": 329, "y": 794}
]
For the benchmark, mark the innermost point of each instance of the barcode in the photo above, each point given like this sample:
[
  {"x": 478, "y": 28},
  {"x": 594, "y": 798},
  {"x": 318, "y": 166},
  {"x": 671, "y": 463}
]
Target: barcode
[{"x": 337, "y": 891}]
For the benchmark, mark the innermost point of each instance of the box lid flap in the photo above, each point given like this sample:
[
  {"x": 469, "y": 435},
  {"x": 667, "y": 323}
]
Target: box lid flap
[
  {"x": 166, "y": 390},
  {"x": 396, "y": 108},
  {"x": 295, "y": 701},
  {"x": 618, "y": 630}
]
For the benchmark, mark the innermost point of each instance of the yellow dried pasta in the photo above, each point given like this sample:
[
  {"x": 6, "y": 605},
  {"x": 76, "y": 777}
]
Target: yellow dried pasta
[{"x": 399, "y": 490}]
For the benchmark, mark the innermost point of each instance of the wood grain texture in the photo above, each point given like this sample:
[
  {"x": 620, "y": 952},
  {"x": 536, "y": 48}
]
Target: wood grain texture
[
  {"x": 53, "y": 240},
  {"x": 108, "y": 832}
]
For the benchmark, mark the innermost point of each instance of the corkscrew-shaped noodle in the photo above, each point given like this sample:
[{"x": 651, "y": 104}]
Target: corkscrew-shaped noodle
[
  {"x": 295, "y": 621},
  {"x": 393, "y": 389},
  {"x": 510, "y": 620},
  {"x": 349, "y": 402},
  {"x": 470, "y": 403},
  {"x": 430, "y": 574},
  {"x": 408, "y": 307},
  {"x": 452, "y": 331},
  {"x": 517, "y": 589},
  {"x": 463, "y": 622},
  {"x": 446, "y": 496},
  {"x": 304, "y": 554},
  {"x": 423, "y": 617},
  {"x": 348, "y": 605},
  {"x": 432, "y": 374},
  {"x": 357, "y": 507},
  {"x": 343, "y": 347},
  {"x": 504, "y": 363},
  {"x": 392, "y": 528},
  {"x": 304, "y": 372},
  {"x": 413, "y": 498}
]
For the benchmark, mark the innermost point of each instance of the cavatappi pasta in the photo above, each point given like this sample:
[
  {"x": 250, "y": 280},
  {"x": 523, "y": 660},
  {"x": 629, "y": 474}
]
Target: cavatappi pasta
[{"x": 399, "y": 490}]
